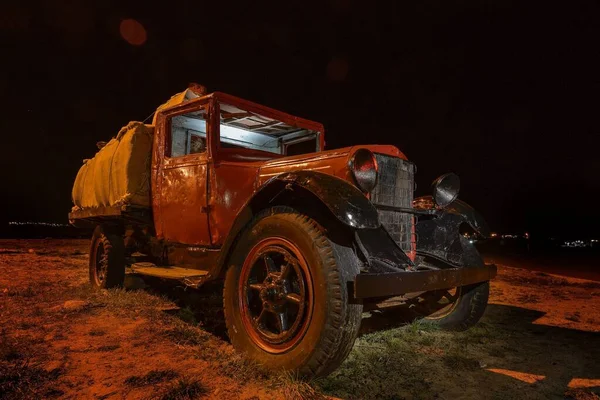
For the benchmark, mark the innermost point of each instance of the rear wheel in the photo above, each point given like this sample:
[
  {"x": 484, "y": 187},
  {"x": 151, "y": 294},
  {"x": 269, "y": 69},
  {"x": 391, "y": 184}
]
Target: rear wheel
[
  {"x": 286, "y": 294},
  {"x": 107, "y": 258}
]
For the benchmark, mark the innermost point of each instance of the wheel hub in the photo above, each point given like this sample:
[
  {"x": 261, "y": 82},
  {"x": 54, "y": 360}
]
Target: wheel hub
[
  {"x": 275, "y": 297},
  {"x": 273, "y": 292}
]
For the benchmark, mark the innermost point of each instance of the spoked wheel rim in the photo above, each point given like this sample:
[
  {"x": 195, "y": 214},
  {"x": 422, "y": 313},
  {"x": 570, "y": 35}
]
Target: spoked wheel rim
[
  {"x": 101, "y": 263},
  {"x": 276, "y": 295},
  {"x": 439, "y": 303}
]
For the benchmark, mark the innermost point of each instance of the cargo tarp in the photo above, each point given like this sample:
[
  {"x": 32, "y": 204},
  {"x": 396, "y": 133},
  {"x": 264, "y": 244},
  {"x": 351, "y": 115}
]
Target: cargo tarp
[
  {"x": 119, "y": 174},
  {"x": 179, "y": 98}
]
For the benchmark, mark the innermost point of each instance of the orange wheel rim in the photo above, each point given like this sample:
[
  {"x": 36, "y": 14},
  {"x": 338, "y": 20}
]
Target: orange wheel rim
[{"x": 276, "y": 295}]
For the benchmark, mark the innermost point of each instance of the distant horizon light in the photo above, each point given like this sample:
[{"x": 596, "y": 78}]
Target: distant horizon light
[{"x": 19, "y": 223}]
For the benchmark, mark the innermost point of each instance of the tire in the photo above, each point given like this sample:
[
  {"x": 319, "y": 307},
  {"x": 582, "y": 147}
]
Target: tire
[
  {"x": 107, "y": 258},
  {"x": 309, "y": 284},
  {"x": 466, "y": 305},
  {"x": 468, "y": 308}
]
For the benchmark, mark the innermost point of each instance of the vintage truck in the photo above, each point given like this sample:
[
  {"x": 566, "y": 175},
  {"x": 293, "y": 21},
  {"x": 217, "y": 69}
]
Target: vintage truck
[{"x": 302, "y": 238}]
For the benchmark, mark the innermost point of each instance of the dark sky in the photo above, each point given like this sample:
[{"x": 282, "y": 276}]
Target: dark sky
[{"x": 503, "y": 93}]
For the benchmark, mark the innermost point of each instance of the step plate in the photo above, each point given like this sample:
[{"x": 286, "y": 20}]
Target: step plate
[{"x": 167, "y": 272}]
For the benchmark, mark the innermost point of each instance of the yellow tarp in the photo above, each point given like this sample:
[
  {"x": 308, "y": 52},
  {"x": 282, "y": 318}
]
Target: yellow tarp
[
  {"x": 119, "y": 173},
  {"x": 176, "y": 99}
]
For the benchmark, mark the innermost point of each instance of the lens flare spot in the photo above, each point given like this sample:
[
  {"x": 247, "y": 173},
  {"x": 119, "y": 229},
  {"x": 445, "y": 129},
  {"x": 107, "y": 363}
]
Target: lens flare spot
[{"x": 133, "y": 32}]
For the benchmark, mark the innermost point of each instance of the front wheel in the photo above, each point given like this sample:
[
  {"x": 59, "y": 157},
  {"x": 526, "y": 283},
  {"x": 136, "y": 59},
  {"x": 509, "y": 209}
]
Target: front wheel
[
  {"x": 286, "y": 294},
  {"x": 455, "y": 309},
  {"x": 107, "y": 258}
]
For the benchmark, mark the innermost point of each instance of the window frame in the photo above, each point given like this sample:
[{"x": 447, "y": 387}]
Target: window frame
[
  {"x": 183, "y": 109},
  {"x": 245, "y": 105}
]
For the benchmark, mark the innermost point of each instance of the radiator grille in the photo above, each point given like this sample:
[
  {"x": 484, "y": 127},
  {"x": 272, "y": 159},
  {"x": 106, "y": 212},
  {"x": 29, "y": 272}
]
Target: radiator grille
[{"x": 395, "y": 187}]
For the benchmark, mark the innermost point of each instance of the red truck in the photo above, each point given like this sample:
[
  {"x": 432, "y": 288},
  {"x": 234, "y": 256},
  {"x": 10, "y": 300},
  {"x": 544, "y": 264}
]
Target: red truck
[{"x": 303, "y": 238}]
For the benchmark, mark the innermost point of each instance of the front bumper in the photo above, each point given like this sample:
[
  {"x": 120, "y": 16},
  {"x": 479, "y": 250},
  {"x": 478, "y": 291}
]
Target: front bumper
[{"x": 386, "y": 284}]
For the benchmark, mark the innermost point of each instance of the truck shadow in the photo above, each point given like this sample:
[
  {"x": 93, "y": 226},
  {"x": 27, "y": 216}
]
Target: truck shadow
[
  {"x": 203, "y": 307},
  {"x": 508, "y": 349}
]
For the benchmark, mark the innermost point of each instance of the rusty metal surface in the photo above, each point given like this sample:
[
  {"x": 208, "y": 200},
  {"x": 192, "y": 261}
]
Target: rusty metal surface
[
  {"x": 138, "y": 215},
  {"x": 96, "y": 212},
  {"x": 179, "y": 185},
  {"x": 424, "y": 203},
  {"x": 191, "y": 277},
  {"x": 232, "y": 185},
  {"x": 399, "y": 283},
  {"x": 167, "y": 272},
  {"x": 331, "y": 162},
  {"x": 184, "y": 201}
]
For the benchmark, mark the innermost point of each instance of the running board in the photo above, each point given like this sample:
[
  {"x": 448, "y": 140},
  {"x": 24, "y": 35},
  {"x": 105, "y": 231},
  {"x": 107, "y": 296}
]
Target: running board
[{"x": 189, "y": 276}]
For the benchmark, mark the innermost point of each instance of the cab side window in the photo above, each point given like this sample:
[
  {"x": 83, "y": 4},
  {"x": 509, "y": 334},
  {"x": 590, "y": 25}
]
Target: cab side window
[{"x": 188, "y": 134}]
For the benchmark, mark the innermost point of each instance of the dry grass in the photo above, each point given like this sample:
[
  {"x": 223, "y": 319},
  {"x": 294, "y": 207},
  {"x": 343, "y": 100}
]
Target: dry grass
[
  {"x": 186, "y": 335},
  {"x": 22, "y": 375},
  {"x": 147, "y": 343},
  {"x": 294, "y": 388},
  {"x": 152, "y": 378},
  {"x": 183, "y": 389}
]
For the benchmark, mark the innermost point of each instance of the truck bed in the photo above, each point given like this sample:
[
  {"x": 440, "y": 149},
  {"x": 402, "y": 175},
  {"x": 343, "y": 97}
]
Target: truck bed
[{"x": 129, "y": 213}]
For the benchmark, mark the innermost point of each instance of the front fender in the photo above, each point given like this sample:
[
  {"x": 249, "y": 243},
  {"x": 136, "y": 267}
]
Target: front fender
[
  {"x": 460, "y": 208},
  {"x": 440, "y": 237},
  {"x": 345, "y": 202},
  {"x": 348, "y": 204}
]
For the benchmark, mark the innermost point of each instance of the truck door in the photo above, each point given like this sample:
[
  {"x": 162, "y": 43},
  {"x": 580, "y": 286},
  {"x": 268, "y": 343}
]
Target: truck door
[{"x": 183, "y": 188}]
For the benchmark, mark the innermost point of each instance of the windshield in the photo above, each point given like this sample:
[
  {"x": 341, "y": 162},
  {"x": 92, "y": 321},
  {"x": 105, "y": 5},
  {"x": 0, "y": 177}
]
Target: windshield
[{"x": 244, "y": 129}]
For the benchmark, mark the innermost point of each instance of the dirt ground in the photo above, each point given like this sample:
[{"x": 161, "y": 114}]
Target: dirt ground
[{"x": 540, "y": 338}]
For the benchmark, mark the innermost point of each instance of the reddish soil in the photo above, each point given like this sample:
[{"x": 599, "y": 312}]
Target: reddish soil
[{"x": 59, "y": 338}]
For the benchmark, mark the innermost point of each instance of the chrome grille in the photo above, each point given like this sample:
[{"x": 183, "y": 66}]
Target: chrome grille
[{"x": 395, "y": 187}]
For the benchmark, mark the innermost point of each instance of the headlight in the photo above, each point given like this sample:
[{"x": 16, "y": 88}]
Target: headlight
[
  {"x": 445, "y": 189},
  {"x": 363, "y": 166}
]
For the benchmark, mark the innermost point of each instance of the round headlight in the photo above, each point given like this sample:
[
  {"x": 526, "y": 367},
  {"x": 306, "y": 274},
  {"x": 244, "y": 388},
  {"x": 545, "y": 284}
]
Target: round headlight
[
  {"x": 445, "y": 189},
  {"x": 363, "y": 166}
]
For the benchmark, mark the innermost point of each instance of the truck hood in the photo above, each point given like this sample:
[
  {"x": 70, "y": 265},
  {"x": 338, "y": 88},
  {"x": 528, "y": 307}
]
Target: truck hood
[{"x": 331, "y": 162}]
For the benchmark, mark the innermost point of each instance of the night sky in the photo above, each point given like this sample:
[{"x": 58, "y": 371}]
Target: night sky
[{"x": 503, "y": 93}]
